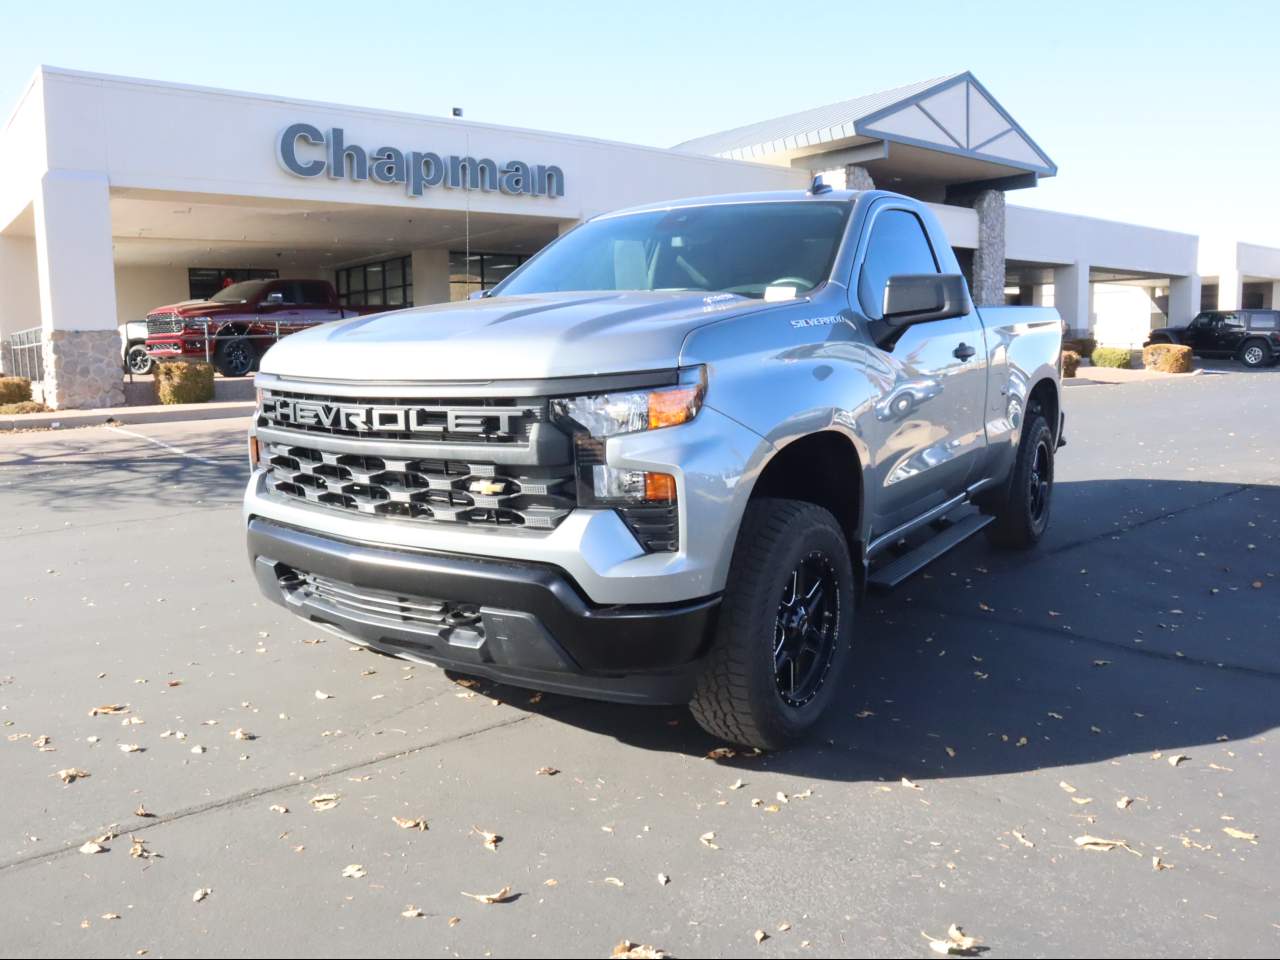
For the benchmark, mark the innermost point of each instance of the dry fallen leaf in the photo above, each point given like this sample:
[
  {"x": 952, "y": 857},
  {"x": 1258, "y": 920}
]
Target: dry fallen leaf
[
  {"x": 737, "y": 784},
  {"x": 321, "y": 695},
  {"x": 92, "y": 846},
  {"x": 200, "y": 894},
  {"x": 1157, "y": 864},
  {"x": 957, "y": 942},
  {"x": 412, "y": 912},
  {"x": 130, "y": 748},
  {"x": 1240, "y": 834},
  {"x": 454, "y": 921},
  {"x": 1176, "y": 759},
  {"x": 491, "y": 840},
  {"x": 278, "y": 808},
  {"x": 353, "y": 871},
  {"x": 324, "y": 801},
  {"x": 1066, "y": 786},
  {"x": 614, "y": 882},
  {"x": 708, "y": 839},
  {"x": 72, "y": 774},
  {"x": 241, "y": 734},
  {"x": 909, "y": 784},
  {"x": 1021, "y": 838},
  {"x": 663, "y": 879},
  {"x": 410, "y": 823},
  {"x": 759, "y": 936},
  {"x": 502, "y": 896},
  {"x": 143, "y": 812},
  {"x": 1124, "y": 802},
  {"x": 1088, "y": 842},
  {"x": 547, "y": 771},
  {"x": 626, "y": 950},
  {"x": 109, "y": 709}
]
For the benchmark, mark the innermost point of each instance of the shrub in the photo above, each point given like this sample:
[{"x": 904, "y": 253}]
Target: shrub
[
  {"x": 1167, "y": 357},
  {"x": 1117, "y": 357},
  {"x": 23, "y": 406},
  {"x": 181, "y": 381},
  {"x": 14, "y": 389},
  {"x": 1070, "y": 361},
  {"x": 1084, "y": 346}
]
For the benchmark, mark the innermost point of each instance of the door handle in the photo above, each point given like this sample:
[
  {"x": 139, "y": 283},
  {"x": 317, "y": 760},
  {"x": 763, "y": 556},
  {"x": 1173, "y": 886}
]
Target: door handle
[{"x": 963, "y": 352}]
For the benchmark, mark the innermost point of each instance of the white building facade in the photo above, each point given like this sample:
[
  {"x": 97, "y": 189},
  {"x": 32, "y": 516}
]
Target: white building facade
[{"x": 121, "y": 195}]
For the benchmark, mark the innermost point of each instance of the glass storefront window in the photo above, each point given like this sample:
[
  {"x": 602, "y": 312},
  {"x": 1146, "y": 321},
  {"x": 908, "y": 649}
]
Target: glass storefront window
[
  {"x": 384, "y": 283},
  {"x": 478, "y": 271}
]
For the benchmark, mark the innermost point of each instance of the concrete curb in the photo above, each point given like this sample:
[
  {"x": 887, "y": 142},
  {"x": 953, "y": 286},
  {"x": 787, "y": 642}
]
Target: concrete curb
[{"x": 163, "y": 413}]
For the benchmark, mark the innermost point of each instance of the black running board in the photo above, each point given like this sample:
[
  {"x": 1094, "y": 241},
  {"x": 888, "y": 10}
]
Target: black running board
[{"x": 894, "y": 573}]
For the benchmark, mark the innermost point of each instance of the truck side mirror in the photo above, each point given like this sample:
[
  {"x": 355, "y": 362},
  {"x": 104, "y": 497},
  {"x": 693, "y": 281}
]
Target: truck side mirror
[
  {"x": 477, "y": 294},
  {"x": 911, "y": 298},
  {"x": 275, "y": 296}
]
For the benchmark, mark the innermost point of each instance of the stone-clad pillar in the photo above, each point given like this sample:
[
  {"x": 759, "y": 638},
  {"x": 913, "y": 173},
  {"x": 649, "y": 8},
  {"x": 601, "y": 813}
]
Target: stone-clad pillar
[
  {"x": 76, "y": 274},
  {"x": 857, "y": 178},
  {"x": 988, "y": 259}
]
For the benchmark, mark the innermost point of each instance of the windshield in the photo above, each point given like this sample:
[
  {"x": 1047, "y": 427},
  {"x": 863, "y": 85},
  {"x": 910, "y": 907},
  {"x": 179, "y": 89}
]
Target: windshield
[
  {"x": 741, "y": 248},
  {"x": 242, "y": 292}
]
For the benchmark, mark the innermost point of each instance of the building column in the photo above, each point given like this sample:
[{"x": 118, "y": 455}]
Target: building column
[
  {"x": 430, "y": 277},
  {"x": 1275, "y": 296},
  {"x": 1230, "y": 287},
  {"x": 76, "y": 274},
  {"x": 857, "y": 178},
  {"x": 19, "y": 293},
  {"x": 1071, "y": 298},
  {"x": 988, "y": 259},
  {"x": 1184, "y": 299}
]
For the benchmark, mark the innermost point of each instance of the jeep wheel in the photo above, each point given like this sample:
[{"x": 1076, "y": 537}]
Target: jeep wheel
[
  {"x": 138, "y": 361},
  {"x": 784, "y": 630},
  {"x": 1255, "y": 353},
  {"x": 1023, "y": 516},
  {"x": 234, "y": 357}
]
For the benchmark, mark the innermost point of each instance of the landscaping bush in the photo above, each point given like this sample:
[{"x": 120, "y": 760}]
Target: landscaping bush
[
  {"x": 23, "y": 406},
  {"x": 1084, "y": 346},
  {"x": 181, "y": 381},
  {"x": 1117, "y": 357},
  {"x": 1167, "y": 357},
  {"x": 14, "y": 389},
  {"x": 1070, "y": 361}
]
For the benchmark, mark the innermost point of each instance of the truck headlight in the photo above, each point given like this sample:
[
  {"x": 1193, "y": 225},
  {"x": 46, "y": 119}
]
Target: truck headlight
[{"x": 631, "y": 411}]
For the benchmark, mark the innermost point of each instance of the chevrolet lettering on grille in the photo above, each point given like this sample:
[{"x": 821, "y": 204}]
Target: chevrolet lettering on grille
[{"x": 365, "y": 418}]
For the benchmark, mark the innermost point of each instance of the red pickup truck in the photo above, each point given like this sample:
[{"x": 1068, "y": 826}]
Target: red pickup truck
[{"x": 234, "y": 327}]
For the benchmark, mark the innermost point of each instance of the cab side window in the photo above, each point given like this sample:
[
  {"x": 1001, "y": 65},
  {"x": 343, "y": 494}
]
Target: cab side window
[{"x": 898, "y": 244}]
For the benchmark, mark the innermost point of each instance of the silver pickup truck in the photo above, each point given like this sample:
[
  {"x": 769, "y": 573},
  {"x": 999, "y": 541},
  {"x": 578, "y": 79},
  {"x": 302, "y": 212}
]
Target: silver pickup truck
[{"x": 662, "y": 461}]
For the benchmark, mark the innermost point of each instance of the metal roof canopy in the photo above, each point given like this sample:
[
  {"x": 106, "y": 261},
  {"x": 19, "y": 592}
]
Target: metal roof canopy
[{"x": 944, "y": 136}]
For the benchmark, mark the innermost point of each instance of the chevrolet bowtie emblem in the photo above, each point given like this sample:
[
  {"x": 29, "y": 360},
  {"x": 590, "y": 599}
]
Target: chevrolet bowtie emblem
[{"x": 488, "y": 488}]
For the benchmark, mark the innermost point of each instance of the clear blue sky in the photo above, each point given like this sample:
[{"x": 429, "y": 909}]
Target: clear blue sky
[{"x": 1166, "y": 116}]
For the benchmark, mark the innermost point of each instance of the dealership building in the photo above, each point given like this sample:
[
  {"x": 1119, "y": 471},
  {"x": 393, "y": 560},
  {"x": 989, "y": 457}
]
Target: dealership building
[{"x": 120, "y": 195}]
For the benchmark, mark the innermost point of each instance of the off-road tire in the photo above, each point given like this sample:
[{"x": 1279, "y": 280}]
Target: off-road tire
[
  {"x": 1255, "y": 354},
  {"x": 738, "y": 696},
  {"x": 137, "y": 361},
  {"x": 1022, "y": 517},
  {"x": 235, "y": 356}
]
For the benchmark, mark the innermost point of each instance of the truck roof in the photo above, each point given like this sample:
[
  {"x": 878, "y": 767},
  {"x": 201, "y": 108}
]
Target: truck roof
[{"x": 769, "y": 196}]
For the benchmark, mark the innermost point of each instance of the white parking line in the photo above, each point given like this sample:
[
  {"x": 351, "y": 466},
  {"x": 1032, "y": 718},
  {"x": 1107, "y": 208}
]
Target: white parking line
[{"x": 164, "y": 446}]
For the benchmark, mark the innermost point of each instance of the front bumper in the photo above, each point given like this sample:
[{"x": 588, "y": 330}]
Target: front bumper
[
  {"x": 517, "y": 622},
  {"x": 176, "y": 347}
]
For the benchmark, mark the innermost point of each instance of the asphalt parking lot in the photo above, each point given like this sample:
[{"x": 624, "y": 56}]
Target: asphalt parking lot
[{"x": 1001, "y": 707}]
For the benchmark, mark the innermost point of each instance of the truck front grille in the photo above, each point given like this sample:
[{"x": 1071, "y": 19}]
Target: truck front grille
[
  {"x": 506, "y": 421},
  {"x": 447, "y": 491},
  {"x": 163, "y": 323}
]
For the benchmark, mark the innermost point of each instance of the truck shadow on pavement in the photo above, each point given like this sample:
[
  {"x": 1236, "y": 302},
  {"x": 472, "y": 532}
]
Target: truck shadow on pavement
[{"x": 1135, "y": 627}]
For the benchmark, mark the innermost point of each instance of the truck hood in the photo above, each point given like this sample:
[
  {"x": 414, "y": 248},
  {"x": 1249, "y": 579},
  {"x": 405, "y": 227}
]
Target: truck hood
[
  {"x": 507, "y": 338},
  {"x": 200, "y": 308}
]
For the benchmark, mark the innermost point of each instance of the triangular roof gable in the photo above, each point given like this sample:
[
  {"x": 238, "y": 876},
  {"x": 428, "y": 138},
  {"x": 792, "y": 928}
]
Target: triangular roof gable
[{"x": 957, "y": 115}]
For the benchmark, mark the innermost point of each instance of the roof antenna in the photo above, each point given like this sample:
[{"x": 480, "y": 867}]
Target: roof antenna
[{"x": 818, "y": 186}]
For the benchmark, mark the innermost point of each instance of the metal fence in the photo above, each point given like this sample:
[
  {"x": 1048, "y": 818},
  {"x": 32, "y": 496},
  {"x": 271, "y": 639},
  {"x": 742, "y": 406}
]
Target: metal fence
[{"x": 24, "y": 354}]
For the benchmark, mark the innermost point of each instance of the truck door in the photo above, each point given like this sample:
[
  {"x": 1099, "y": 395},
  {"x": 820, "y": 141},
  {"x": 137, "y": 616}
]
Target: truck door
[
  {"x": 930, "y": 422},
  {"x": 1230, "y": 333}
]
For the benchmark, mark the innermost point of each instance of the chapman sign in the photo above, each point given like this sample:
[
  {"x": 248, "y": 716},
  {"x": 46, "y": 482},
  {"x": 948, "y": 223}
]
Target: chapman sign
[{"x": 305, "y": 151}]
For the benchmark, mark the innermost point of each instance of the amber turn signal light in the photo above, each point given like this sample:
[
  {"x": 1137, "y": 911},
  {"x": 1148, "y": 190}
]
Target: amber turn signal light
[{"x": 659, "y": 487}]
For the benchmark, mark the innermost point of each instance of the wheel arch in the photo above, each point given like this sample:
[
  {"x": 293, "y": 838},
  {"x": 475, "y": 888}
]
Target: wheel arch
[{"x": 823, "y": 468}]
